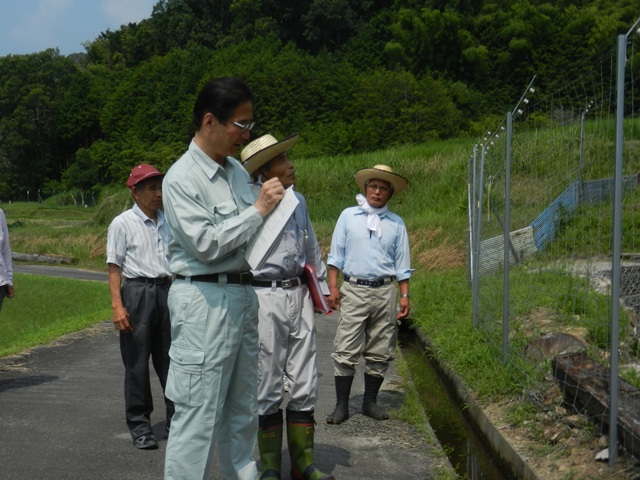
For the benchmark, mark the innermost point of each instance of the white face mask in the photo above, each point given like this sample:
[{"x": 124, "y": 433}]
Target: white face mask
[{"x": 373, "y": 219}]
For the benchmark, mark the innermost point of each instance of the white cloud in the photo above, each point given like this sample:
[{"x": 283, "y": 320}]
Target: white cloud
[
  {"x": 28, "y": 26},
  {"x": 127, "y": 11},
  {"x": 39, "y": 25}
]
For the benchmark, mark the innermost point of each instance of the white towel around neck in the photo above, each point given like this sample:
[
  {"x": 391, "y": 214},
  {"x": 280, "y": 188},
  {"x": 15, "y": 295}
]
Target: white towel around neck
[{"x": 373, "y": 219}]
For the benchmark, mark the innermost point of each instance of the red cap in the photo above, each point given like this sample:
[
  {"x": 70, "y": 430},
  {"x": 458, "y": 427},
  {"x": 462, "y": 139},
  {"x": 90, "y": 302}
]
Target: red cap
[{"x": 142, "y": 172}]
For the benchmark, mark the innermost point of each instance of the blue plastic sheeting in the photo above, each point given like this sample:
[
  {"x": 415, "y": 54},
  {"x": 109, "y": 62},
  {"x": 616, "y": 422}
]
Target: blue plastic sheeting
[
  {"x": 563, "y": 207},
  {"x": 545, "y": 226}
]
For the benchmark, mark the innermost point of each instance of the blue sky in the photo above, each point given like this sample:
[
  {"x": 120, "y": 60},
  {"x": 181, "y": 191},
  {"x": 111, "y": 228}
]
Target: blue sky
[{"x": 28, "y": 26}]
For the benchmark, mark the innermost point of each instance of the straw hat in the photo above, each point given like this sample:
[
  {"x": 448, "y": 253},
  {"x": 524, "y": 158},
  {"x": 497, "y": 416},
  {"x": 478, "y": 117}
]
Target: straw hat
[
  {"x": 381, "y": 172},
  {"x": 264, "y": 149}
]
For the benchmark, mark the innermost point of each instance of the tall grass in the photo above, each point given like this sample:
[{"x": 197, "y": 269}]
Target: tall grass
[
  {"x": 433, "y": 206},
  {"x": 70, "y": 232}
]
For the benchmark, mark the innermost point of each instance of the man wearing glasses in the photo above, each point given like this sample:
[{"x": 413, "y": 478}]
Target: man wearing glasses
[
  {"x": 371, "y": 247},
  {"x": 210, "y": 208}
]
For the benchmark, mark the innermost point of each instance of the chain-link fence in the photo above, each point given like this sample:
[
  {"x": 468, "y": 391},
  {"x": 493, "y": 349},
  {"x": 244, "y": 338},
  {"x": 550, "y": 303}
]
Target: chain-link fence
[{"x": 555, "y": 242}]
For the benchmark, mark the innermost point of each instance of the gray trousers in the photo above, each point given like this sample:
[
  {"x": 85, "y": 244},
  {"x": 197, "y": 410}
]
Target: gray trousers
[
  {"x": 287, "y": 345},
  {"x": 212, "y": 380},
  {"x": 367, "y": 327}
]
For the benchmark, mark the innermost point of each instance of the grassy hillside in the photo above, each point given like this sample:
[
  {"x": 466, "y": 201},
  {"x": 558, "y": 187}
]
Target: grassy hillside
[{"x": 433, "y": 206}]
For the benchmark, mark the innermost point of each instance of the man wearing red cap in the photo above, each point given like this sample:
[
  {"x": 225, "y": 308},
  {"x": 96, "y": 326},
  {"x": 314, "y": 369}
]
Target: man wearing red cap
[{"x": 139, "y": 281}]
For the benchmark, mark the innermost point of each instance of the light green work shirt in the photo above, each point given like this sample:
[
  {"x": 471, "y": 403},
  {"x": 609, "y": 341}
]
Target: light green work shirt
[{"x": 210, "y": 211}]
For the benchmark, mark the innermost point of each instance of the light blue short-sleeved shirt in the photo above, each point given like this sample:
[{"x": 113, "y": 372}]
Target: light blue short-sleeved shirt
[
  {"x": 358, "y": 252},
  {"x": 211, "y": 214}
]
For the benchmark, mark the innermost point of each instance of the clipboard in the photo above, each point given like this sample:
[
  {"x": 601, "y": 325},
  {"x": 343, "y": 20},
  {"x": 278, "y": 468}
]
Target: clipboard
[
  {"x": 260, "y": 244},
  {"x": 319, "y": 302}
]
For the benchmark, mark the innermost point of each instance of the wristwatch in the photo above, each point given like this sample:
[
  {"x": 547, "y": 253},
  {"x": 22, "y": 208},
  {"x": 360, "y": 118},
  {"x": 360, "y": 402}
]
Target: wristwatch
[{"x": 405, "y": 295}]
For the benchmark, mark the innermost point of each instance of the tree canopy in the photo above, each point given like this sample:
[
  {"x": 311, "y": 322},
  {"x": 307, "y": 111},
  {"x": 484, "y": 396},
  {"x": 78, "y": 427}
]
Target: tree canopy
[{"x": 349, "y": 75}]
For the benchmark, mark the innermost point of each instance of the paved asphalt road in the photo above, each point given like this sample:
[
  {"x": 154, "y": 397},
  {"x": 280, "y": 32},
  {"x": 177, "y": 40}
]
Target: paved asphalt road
[
  {"x": 61, "y": 272},
  {"x": 62, "y": 415}
]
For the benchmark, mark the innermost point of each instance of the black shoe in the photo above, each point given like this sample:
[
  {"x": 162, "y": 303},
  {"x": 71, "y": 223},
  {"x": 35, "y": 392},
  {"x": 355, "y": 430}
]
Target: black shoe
[
  {"x": 166, "y": 432},
  {"x": 146, "y": 442}
]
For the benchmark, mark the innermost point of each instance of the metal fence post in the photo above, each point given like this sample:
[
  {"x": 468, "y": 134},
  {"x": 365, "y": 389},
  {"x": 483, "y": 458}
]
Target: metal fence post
[{"x": 507, "y": 243}]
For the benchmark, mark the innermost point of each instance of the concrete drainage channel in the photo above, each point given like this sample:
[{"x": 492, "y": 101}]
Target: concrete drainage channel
[{"x": 474, "y": 447}]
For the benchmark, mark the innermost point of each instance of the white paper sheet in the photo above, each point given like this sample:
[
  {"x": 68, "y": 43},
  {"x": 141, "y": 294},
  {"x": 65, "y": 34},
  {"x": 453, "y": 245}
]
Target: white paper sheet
[{"x": 260, "y": 244}]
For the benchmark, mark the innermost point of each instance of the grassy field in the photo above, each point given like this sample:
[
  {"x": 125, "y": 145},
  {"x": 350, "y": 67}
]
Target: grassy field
[
  {"x": 67, "y": 232},
  {"x": 45, "y": 308}
]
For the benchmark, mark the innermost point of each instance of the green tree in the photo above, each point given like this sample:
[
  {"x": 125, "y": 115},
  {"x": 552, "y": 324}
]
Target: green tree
[{"x": 36, "y": 142}]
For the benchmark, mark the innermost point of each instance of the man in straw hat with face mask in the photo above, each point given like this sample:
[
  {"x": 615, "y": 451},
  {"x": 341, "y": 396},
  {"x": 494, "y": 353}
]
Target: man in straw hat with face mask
[
  {"x": 371, "y": 247},
  {"x": 286, "y": 323}
]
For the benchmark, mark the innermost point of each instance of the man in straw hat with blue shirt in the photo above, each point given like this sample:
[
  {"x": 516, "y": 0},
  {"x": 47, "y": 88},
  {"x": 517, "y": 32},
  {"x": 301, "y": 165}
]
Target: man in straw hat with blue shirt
[
  {"x": 286, "y": 323},
  {"x": 370, "y": 246}
]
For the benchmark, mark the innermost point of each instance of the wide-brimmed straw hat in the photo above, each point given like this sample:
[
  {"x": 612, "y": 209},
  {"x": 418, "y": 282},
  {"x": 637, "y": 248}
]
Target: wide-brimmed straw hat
[
  {"x": 264, "y": 149},
  {"x": 381, "y": 172}
]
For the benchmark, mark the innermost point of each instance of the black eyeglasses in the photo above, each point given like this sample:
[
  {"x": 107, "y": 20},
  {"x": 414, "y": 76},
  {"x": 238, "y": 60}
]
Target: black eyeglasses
[
  {"x": 374, "y": 187},
  {"x": 245, "y": 126}
]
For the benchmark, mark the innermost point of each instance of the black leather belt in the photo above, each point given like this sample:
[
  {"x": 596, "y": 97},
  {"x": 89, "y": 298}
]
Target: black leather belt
[
  {"x": 378, "y": 282},
  {"x": 234, "y": 278},
  {"x": 155, "y": 281},
  {"x": 292, "y": 282}
]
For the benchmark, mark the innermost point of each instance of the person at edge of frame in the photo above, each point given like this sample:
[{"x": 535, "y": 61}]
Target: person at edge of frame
[
  {"x": 286, "y": 323},
  {"x": 139, "y": 280},
  {"x": 6, "y": 264},
  {"x": 370, "y": 246},
  {"x": 213, "y": 213}
]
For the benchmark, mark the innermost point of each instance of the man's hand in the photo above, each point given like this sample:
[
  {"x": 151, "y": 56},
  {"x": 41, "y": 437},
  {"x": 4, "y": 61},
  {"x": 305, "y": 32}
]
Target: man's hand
[
  {"x": 121, "y": 319},
  {"x": 332, "y": 282},
  {"x": 120, "y": 314},
  {"x": 334, "y": 298},
  {"x": 271, "y": 193},
  {"x": 405, "y": 308}
]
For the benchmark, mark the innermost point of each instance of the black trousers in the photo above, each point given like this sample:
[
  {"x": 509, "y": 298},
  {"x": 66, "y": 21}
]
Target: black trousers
[
  {"x": 151, "y": 338},
  {"x": 2, "y": 294}
]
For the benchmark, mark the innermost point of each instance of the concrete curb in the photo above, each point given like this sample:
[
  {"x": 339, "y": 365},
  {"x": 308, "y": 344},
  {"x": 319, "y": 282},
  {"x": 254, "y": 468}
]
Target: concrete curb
[{"x": 501, "y": 448}]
